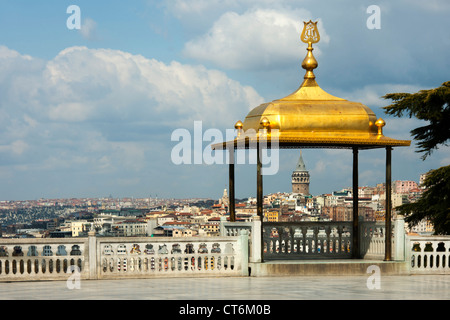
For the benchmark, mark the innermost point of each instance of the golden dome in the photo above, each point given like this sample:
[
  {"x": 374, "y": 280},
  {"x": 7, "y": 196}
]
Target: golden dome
[
  {"x": 312, "y": 117},
  {"x": 311, "y": 114}
]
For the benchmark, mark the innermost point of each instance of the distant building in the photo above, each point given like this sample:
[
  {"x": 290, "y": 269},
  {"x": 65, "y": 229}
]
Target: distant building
[
  {"x": 172, "y": 231},
  {"x": 167, "y": 218},
  {"x": 399, "y": 199},
  {"x": 424, "y": 227},
  {"x": 401, "y": 186},
  {"x": 272, "y": 215},
  {"x": 345, "y": 213},
  {"x": 131, "y": 228},
  {"x": 80, "y": 226},
  {"x": 60, "y": 234},
  {"x": 211, "y": 228},
  {"x": 300, "y": 178},
  {"x": 422, "y": 178},
  {"x": 224, "y": 201}
]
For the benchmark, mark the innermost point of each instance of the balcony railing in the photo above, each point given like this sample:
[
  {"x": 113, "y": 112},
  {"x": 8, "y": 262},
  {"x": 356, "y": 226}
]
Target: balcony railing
[
  {"x": 43, "y": 259},
  {"x": 178, "y": 257},
  {"x": 317, "y": 240},
  {"x": 127, "y": 257},
  {"x": 228, "y": 255},
  {"x": 429, "y": 254},
  {"x": 307, "y": 240}
]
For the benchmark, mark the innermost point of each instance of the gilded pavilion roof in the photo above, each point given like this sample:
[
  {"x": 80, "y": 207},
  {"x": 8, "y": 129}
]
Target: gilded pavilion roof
[{"x": 311, "y": 117}]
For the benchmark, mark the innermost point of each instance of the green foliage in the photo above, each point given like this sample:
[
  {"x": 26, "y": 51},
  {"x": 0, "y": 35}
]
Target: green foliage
[{"x": 432, "y": 106}]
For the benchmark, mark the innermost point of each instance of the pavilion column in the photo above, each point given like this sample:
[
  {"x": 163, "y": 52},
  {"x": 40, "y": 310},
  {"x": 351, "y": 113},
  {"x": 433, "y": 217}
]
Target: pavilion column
[
  {"x": 259, "y": 186},
  {"x": 355, "y": 240},
  {"x": 388, "y": 206},
  {"x": 231, "y": 197},
  {"x": 259, "y": 197}
]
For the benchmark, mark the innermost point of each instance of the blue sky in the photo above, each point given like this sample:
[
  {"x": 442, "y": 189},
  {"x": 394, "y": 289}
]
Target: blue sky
[{"x": 90, "y": 112}]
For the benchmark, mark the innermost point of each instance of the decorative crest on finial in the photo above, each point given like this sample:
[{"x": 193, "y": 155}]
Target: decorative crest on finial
[{"x": 310, "y": 33}]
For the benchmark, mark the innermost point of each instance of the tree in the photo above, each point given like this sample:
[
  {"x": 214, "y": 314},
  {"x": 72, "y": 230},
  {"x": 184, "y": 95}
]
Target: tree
[{"x": 433, "y": 106}]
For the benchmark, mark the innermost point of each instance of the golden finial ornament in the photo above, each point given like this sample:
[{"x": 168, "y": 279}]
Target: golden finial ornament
[
  {"x": 380, "y": 124},
  {"x": 238, "y": 126},
  {"x": 310, "y": 35},
  {"x": 265, "y": 123}
]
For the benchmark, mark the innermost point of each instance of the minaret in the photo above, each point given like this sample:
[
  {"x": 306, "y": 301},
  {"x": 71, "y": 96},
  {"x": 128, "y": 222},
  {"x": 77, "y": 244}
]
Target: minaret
[
  {"x": 300, "y": 178},
  {"x": 224, "y": 201}
]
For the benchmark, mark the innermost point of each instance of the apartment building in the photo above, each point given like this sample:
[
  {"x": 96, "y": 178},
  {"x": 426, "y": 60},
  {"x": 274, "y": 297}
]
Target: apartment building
[{"x": 404, "y": 186}]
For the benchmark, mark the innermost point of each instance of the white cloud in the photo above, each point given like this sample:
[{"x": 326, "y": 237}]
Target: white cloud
[
  {"x": 72, "y": 111},
  {"x": 88, "y": 29},
  {"x": 430, "y": 5},
  {"x": 258, "y": 38},
  {"x": 16, "y": 147},
  {"x": 371, "y": 95},
  {"x": 204, "y": 12},
  {"x": 6, "y": 53},
  {"x": 90, "y": 113},
  {"x": 89, "y": 85}
]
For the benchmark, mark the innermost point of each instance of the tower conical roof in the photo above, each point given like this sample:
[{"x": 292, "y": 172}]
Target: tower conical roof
[{"x": 300, "y": 164}]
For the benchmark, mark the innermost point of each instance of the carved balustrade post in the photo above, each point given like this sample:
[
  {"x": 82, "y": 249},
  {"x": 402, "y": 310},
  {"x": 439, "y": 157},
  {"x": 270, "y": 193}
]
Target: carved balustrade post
[
  {"x": 328, "y": 232},
  {"x": 315, "y": 239},
  {"x": 340, "y": 238},
  {"x": 304, "y": 231}
]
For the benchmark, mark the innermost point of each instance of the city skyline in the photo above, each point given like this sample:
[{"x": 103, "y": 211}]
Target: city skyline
[
  {"x": 90, "y": 112},
  {"x": 128, "y": 198}
]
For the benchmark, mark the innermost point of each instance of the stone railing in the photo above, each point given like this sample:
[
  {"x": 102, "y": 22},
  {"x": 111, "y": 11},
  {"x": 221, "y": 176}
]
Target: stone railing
[
  {"x": 373, "y": 240},
  {"x": 317, "y": 240},
  {"x": 229, "y": 229},
  {"x": 43, "y": 259},
  {"x": 228, "y": 255},
  {"x": 176, "y": 257},
  {"x": 253, "y": 229},
  {"x": 307, "y": 240},
  {"x": 126, "y": 257},
  {"x": 429, "y": 254}
]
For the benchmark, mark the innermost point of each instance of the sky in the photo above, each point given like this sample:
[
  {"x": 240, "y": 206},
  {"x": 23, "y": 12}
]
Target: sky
[{"x": 90, "y": 111}]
